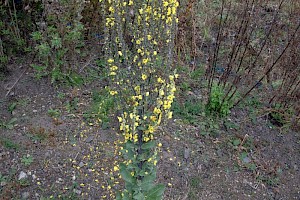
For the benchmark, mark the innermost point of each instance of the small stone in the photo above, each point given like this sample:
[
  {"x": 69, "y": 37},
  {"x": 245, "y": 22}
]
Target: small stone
[
  {"x": 246, "y": 160},
  {"x": 33, "y": 176},
  {"x": 35, "y": 111},
  {"x": 25, "y": 195},
  {"x": 22, "y": 175},
  {"x": 89, "y": 139},
  {"x": 81, "y": 164},
  {"x": 60, "y": 180},
  {"x": 47, "y": 154},
  {"x": 186, "y": 153},
  {"x": 3, "y": 183},
  {"x": 73, "y": 177},
  {"x": 296, "y": 167},
  {"x": 77, "y": 191}
]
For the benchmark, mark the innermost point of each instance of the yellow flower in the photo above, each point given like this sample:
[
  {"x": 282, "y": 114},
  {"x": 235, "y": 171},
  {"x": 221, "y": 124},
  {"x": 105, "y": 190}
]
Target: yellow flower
[
  {"x": 145, "y": 60},
  {"x": 110, "y": 60},
  {"x": 153, "y": 118},
  {"x": 111, "y": 9},
  {"x": 120, "y": 53},
  {"x": 116, "y": 168},
  {"x": 151, "y": 129},
  {"x": 141, "y": 11},
  {"x": 161, "y": 92},
  {"x": 154, "y": 53},
  {"x": 113, "y": 73},
  {"x": 160, "y": 80},
  {"x": 113, "y": 68},
  {"x": 144, "y": 76},
  {"x": 113, "y": 92},
  {"x": 149, "y": 37},
  {"x": 156, "y": 111},
  {"x": 120, "y": 119},
  {"x": 170, "y": 115},
  {"x": 159, "y": 144}
]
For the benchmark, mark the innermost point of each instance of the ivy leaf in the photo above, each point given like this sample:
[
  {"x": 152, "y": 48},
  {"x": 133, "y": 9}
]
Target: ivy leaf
[
  {"x": 156, "y": 192},
  {"x": 126, "y": 174},
  {"x": 148, "y": 145}
]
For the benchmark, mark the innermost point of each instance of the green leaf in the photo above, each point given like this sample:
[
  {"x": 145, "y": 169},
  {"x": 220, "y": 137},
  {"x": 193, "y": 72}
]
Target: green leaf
[
  {"x": 156, "y": 192},
  {"x": 148, "y": 145},
  {"x": 129, "y": 145},
  {"x": 126, "y": 174},
  {"x": 142, "y": 128},
  {"x": 139, "y": 196},
  {"x": 147, "y": 182},
  {"x": 126, "y": 196},
  {"x": 236, "y": 142},
  {"x": 118, "y": 196}
]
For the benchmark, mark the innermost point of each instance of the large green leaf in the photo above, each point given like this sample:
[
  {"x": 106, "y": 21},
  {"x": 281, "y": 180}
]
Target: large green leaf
[
  {"x": 126, "y": 174},
  {"x": 148, "y": 179},
  {"x": 148, "y": 145},
  {"x": 118, "y": 196},
  {"x": 156, "y": 192},
  {"x": 139, "y": 196}
]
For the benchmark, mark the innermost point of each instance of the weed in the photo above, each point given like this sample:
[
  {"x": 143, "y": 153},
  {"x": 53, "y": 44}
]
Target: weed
[
  {"x": 27, "y": 160},
  {"x": 40, "y": 71},
  {"x": 54, "y": 113},
  {"x": 196, "y": 74},
  {"x": 9, "y": 124},
  {"x": 209, "y": 126},
  {"x": 23, "y": 102},
  {"x": 39, "y": 134},
  {"x": 229, "y": 125},
  {"x": 217, "y": 104},
  {"x": 101, "y": 108},
  {"x": 12, "y": 107},
  {"x": 9, "y": 144},
  {"x": 61, "y": 95},
  {"x": 3, "y": 178},
  {"x": 72, "y": 105},
  {"x": 185, "y": 86},
  {"x": 74, "y": 79},
  {"x": 24, "y": 182},
  {"x": 58, "y": 45},
  {"x": 195, "y": 182},
  {"x": 278, "y": 115},
  {"x": 189, "y": 110}
]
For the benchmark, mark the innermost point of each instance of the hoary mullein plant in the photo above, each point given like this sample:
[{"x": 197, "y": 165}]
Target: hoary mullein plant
[{"x": 139, "y": 49}]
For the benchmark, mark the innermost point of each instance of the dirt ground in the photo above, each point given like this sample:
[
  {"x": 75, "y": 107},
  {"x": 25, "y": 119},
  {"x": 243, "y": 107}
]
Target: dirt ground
[{"x": 66, "y": 157}]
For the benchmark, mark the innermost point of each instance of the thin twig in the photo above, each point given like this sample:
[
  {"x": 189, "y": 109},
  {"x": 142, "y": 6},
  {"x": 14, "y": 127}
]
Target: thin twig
[{"x": 9, "y": 90}]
